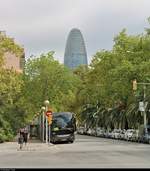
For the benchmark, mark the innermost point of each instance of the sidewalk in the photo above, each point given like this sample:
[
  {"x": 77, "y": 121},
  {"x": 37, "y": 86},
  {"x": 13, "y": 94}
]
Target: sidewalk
[{"x": 32, "y": 145}]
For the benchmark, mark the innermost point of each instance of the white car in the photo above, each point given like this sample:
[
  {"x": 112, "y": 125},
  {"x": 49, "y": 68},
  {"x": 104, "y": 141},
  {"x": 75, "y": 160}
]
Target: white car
[
  {"x": 80, "y": 130},
  {"x": 100, "y": 132},
  {"x": 122, "y": 134},
  {"x": 116, "y": 133},
  {"x": 89, "y": 131},
  {"x": 107, "y": 134},
  {"x": 129, "y": 134},
  {"x": 135, "y": 136}
]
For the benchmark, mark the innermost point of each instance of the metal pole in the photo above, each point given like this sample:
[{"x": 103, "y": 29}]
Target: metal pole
[
  {"x": 46, "y": 128},
  {"x": 145, "y": 121},
  {"x": 43, "y": 126},
  {"x": 49, "y": 133},
  {"x": 41, "y": 120},
  {"x": 39, "y": 127}
]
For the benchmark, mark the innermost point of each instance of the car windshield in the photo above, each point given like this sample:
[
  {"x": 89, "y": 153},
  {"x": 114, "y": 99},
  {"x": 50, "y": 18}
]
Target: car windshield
[{"x": 62, "y": 120}]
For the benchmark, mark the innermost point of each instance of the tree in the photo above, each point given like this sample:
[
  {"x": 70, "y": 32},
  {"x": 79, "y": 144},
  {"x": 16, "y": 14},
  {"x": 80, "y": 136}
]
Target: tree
[
  {"x": 109, "y": 80},
  {"x": 45, "y": 78},
  {"x": 10, "y": 86}
]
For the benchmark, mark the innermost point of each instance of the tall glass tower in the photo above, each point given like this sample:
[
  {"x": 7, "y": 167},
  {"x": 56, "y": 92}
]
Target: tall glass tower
[{"x": 75, "y": 51}]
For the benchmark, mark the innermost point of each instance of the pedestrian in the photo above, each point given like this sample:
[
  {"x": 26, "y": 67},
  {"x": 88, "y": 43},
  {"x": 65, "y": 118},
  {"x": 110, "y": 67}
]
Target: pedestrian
[
  {"x": 21, "y": 138},
  {"x": 25, "y": 136}
]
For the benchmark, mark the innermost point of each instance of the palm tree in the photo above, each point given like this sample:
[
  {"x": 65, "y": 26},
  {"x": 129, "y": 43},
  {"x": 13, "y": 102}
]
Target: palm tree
[{"x": 133, "y": 115}]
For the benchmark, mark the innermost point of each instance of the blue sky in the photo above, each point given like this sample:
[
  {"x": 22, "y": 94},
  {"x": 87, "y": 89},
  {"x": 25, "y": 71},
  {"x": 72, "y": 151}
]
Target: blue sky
[{"x": 43, "y": 25}]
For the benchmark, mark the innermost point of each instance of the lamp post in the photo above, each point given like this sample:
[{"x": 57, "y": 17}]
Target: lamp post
[
  {"x": 43, "y": 120},
  {"x": 46, "y": 102}
]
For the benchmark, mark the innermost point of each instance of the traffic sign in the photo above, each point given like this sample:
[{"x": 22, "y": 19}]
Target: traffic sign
[{"x": 48, "y": 113}]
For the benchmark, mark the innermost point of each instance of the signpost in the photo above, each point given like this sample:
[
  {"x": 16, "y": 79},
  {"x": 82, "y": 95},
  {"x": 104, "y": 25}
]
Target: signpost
[{"x": 49, "y": 112}]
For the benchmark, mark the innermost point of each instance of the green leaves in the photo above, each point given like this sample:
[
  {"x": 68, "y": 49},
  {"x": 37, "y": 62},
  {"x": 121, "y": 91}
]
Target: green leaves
[
  {"x": 44, "y": 79},
  {"x": 110, "y": 75},
  {"x": 104, "y": 87},
  {"x": 10, "y": 91},
  {"x": 8, "y": 45}
]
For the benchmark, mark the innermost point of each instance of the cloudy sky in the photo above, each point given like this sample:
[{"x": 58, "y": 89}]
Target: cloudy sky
[{"x": 43, "y": 25}]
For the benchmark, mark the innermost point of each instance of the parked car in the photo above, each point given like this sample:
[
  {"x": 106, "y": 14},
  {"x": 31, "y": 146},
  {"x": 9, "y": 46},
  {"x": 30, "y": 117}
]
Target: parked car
[
  {"x": 80, "y": 130},
  {"x": 129, "y": 134},
  {"x": 116, "y": 133},
  {"x": 89, "y": 131},
  {"x": 107, "y": 134},
  {"x": 135, "y": 136},
  {"x": 144, "y": 136},
  {"x": 100, "y": 132},
  {"x": 122, "y": 134},
  {"x": 93, "y": 132}
]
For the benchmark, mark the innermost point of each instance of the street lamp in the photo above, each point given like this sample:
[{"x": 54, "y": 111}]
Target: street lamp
[
  {"x": 43, "y": 120},
  {"x": 46, "y": 102}
]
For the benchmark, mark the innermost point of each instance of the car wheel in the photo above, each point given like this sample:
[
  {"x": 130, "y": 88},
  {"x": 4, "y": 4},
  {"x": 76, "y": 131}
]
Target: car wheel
[
  {"x": 53, "y": 141},
  {"x": 71, "y": 141}
]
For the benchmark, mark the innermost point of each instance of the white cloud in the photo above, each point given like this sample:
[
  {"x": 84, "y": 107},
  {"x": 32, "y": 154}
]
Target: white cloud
[{"x": 43, "y": 25}]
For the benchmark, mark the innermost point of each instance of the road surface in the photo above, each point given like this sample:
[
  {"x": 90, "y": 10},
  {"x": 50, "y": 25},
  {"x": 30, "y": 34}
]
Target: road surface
[{"x": 85, "y": 152}]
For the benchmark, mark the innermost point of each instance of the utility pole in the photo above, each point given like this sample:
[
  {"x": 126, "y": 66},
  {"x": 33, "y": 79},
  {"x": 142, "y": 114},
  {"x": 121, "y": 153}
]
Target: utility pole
[{"x": 144, "y": 101}]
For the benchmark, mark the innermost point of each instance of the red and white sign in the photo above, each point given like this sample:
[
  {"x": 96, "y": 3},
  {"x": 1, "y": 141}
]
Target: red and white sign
[{"x": 48, "y": 113}]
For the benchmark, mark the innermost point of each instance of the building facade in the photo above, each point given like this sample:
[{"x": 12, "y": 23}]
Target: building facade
[
  {"x": 75, "y": 51},
  {"x": 11, "y": 61}
]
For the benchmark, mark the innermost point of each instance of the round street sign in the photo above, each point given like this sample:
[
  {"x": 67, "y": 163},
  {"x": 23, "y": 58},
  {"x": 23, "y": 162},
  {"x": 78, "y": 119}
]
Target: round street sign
[{"x": 48, "y": 113}]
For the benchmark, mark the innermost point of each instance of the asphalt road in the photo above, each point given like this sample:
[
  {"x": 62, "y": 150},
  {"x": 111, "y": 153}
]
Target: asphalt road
[{"x": 85, "y": 152}]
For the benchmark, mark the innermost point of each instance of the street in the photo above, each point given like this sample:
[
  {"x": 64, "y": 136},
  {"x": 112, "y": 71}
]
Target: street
[{"x": 85, "y": 152}]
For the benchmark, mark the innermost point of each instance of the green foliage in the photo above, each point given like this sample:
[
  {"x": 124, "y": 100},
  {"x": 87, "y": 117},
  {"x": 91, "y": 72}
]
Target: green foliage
[
  {"x": 109, "y": 82},
  {"x": 7, "y": 44},
  {"x": 98, "y": 94},
  {"x": 10, "y": 95},
  {"x": 6, "y": 132},
  {"x": 10, "y": 86},
  {"x": 45, "y": 79}
]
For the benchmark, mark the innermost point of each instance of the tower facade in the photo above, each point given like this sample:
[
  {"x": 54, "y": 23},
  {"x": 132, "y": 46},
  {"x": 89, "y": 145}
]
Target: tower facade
[{"x": 75, "y": 51}]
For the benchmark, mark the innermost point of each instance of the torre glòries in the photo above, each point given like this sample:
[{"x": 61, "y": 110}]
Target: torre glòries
[{"x": 75, "y": 51}]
